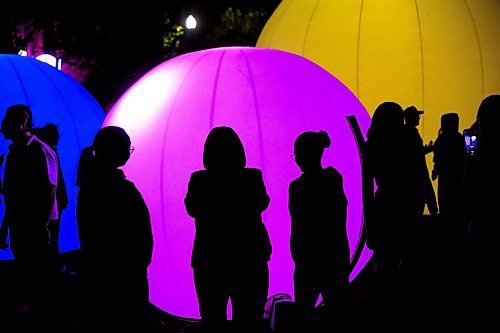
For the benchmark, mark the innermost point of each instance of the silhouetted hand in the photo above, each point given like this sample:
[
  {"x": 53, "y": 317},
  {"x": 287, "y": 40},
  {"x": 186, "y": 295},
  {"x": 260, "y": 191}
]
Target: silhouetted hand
[
  {"x": 433, "y": 211},
  {"x": 429, "y": 148},
  {"x": 434, "y": 175}
]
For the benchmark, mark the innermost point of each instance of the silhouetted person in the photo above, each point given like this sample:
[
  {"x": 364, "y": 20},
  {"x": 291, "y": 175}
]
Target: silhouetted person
[
  {"x": 231, "y": 247},
  {"x": 115, "y": 237},
  {"x": 449, "y": 254},
  {"x": 482, "y": 199},
  {"x": 390, "y": 212},
  {"x": 417, "y": 165},
  {"x": 50, "y": 135},
  {"x": 449, "y": 163},
  {"x": 319, "y": 245},
  {"x": 29, "y": 188}
]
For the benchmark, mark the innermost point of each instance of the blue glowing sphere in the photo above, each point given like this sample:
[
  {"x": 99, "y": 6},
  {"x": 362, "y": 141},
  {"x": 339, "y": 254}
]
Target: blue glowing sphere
[{"x": 54, "y": 97}]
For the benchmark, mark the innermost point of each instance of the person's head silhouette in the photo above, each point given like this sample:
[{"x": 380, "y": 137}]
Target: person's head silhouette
[
  {"x": 488, "y": 118},
  {"x": 387, "y": 120},
  {"x": 449, "y": 123},
  {"x": 223, "y": 151},
  {"x": 412, "y": 116},
  {"x": 17, "y": 122},
  {"x": 309, "y": 148},
  {"x": 48, "y": 134},
  {"x": 112, "y": 147},
  {"x": 51, "y": 134}
]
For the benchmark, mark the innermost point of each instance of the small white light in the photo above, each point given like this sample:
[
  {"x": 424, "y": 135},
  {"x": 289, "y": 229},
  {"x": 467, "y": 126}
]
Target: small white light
[
  {"x": 191, "y": 22},
  {"x": 23, "y": 53}
]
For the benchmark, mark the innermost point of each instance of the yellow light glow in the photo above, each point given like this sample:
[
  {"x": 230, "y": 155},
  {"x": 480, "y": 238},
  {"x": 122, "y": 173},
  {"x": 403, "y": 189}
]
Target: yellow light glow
[{"x": 439, "y": 55}]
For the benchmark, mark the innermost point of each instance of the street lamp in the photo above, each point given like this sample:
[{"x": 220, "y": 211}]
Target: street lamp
[{"x": 191, "y": 22}]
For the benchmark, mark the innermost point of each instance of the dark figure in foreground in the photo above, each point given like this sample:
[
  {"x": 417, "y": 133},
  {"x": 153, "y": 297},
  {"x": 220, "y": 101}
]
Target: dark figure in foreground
[
  {"x": 232, "y": 247},
  {"x": 50, "y": 135},
  {"x": 482, "y": 188},
  {"x": 319, "y": 245},
  {"x": 115, "y": 237},
  {"x": 29, "y": 188},
  {"x": 390, "y": 212}
]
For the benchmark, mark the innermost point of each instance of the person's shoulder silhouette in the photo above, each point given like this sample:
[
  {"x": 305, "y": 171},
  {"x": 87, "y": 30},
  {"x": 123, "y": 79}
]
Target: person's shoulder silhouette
[{"x": 317, "y": 201}]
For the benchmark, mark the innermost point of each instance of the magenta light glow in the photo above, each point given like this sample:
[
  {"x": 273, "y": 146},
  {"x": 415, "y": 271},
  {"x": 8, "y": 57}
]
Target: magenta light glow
[{"x": 269, "y": 97}]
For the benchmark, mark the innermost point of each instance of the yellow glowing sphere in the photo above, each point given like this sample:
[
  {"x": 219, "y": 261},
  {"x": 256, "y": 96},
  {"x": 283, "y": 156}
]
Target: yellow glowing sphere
[{"x": 439, "y": 55}]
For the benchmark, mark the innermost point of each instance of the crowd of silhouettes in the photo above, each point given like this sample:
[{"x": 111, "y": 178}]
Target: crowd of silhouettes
[{"x": 232, "y": 246}]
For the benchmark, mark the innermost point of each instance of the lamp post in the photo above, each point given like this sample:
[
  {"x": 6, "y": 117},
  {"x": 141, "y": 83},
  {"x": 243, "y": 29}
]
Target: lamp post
[
  {"x": 191, "y": 22},
  {"x": 190, "y": 26}
]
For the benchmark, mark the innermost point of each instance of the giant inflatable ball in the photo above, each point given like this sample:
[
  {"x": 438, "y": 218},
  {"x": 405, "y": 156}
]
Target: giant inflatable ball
[
  {"x": 440, "y": 55},
  {"x": 268, "y": 97},
  {"x": 54, "y": 97}
]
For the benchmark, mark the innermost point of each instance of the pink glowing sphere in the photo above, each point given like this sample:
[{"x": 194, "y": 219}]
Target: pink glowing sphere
[{"x": 268, "y": 97}]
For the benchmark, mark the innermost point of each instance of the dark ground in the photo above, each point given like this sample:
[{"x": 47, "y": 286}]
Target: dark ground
[
  {"x": 15, "y": 314},
  {"x": 429, "y": 298}
]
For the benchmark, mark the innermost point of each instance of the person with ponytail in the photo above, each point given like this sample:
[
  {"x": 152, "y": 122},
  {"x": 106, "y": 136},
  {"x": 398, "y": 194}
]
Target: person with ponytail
[
  {"x": 319, "y": 244},
  {"x": 116, "y": 240}
]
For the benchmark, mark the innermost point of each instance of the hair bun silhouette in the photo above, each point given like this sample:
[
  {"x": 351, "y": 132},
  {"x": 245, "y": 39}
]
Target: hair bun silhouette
[{"x": 324, "y": 139}]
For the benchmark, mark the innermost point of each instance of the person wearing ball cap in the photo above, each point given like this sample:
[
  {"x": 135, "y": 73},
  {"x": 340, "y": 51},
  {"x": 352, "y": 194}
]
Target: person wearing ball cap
[{"x": 416, "y": 161}]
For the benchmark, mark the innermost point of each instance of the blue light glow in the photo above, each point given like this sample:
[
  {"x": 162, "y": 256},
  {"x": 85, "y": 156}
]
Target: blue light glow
[{"x": 54, "y": 97}]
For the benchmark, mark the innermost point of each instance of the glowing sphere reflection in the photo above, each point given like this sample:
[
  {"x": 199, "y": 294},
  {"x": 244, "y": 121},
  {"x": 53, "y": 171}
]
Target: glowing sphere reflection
[{"x": 269, "y": 97}]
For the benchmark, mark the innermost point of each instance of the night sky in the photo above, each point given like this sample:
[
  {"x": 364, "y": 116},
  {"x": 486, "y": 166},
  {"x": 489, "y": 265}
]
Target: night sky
[{"x": 120, "y": 43}]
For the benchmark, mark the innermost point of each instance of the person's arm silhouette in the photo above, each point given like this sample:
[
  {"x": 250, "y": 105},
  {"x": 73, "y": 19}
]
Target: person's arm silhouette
[
  {"x": 430, "y": 195},
  {"x": 340, "y": 203},
  {"x": 4, "y": 230},
  {"x": 368, "y": 193},
  {"x": 141, "y": 215},
  {"x": 194, "y": 202},
  {"x": 2, "y": 159},
  {"x": 263, "y": 199},
  {"x": 296, "y": 246}
]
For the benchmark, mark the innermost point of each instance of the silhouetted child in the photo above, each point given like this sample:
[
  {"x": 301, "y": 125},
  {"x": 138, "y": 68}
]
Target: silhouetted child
[
  {"x": 319, "y": 245},
  {"x": 231, "y": 247},
  {"x": 115, "y": 237},
  {"x": 50, "y": 135}
]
